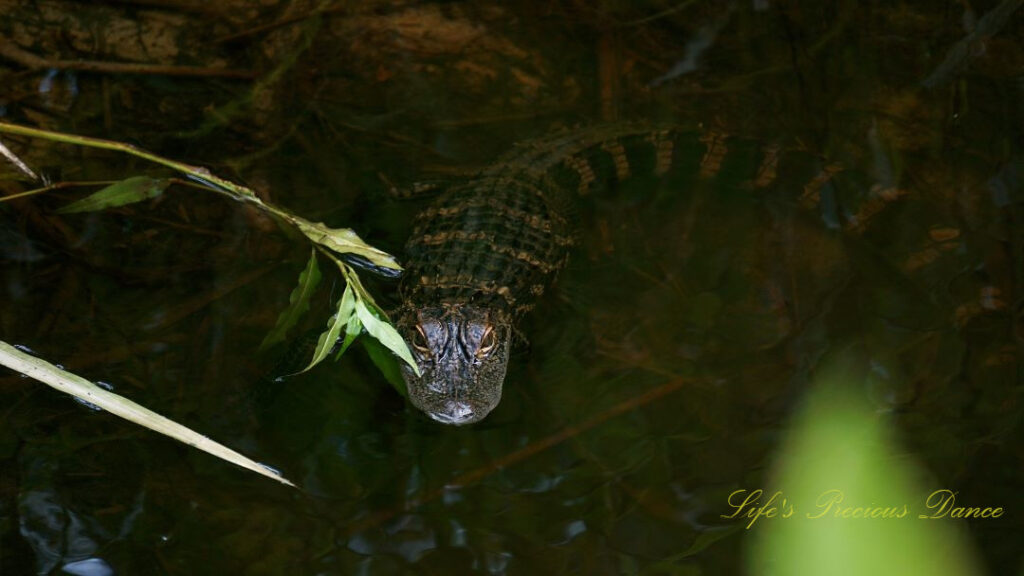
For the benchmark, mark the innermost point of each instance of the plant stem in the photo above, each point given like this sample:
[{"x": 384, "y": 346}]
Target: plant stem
[{"x": 226, "y": 187}]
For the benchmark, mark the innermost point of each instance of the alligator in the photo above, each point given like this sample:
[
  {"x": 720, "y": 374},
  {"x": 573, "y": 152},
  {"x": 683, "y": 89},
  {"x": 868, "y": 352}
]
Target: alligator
[{"x": 484, "y": 251}]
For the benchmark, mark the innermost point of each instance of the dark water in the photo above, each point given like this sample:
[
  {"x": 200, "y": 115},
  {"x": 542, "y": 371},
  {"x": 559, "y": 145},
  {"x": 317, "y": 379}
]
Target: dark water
[{"x": 657, "y": 376}]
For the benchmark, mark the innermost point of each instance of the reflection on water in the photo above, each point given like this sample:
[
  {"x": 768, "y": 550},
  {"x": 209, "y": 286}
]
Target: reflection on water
[{"x": 849, "y": 207}]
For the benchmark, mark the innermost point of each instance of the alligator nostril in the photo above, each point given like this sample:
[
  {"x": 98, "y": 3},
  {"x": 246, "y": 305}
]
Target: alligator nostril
[{"x": 455, "y": 413}]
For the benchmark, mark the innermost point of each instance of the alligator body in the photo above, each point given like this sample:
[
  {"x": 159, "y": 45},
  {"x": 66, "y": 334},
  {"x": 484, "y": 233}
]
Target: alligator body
[{"x": 485, "y": 250}]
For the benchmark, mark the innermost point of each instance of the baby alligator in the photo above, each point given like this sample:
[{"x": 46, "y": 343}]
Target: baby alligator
[
  {"x": 485, "y": 250},
  {"x": 482, "y": 254}
]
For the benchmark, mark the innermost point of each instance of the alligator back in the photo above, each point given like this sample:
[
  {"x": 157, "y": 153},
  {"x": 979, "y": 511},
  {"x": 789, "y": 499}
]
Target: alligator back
[
  {"x": 494, "y": 242},
  {"x": 499, "y": 239}
]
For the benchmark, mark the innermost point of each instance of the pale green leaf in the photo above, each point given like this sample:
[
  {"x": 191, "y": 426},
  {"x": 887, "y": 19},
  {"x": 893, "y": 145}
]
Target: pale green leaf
[
  {"x": 338, "y": 321},
  {"x": 387, "y": 363},
  {"x": 385, "y": 333},
  {"x": 86, "y": 391},
  {"x": 298, "y": 303},
  {"x": 352, "y": 331},
  {"x": 127, "y": 191},
  {"x": 344, "y": 240}
]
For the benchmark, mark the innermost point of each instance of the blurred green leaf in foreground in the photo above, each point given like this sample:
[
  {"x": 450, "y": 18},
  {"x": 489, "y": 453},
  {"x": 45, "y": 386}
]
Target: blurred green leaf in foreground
[{"x": 848, "y": 502}]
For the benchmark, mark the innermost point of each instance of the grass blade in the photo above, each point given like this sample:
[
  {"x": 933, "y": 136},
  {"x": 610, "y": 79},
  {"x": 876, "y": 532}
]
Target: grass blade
[{"x": 81, "y": 388}]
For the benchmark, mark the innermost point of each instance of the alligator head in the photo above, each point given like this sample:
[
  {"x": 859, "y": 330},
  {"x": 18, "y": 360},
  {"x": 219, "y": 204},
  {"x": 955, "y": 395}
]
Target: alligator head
[{"x": 462, "y": 352}]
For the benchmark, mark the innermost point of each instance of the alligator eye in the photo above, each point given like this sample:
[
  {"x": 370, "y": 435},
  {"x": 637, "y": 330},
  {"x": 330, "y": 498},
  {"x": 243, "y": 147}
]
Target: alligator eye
[
  {"x": 419, "y": 341},
  {"x": 488, "y": 342}
]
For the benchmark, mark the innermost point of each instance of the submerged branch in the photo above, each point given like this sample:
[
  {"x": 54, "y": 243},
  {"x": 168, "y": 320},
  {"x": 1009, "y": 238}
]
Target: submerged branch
[{"x": 30, "y": 60}]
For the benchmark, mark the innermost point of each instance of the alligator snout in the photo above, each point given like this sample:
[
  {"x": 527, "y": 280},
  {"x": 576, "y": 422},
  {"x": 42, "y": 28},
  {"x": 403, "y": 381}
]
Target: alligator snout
[{"x": 456, "y": 413}]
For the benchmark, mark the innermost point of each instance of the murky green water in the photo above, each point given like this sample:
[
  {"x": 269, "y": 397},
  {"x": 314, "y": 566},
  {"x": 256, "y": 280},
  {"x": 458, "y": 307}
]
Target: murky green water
[{"x": 656, "y": 377}]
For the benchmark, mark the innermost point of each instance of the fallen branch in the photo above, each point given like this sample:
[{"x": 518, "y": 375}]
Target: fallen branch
[{"x": 30, "y": 60}]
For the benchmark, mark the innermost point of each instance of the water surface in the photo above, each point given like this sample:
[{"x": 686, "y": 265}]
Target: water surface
[{"x": 655, "y": 378}]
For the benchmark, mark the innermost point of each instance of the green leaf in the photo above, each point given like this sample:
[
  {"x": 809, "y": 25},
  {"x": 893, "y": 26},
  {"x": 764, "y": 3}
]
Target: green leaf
[
  {"x": 135, "y": 189},
  {"x": 386, "y": 363},
  {"x": 344, "y": 240},
  {"x": 380, "y": 329},
  {"x": 847, "y": 497},
  {"x": 339, "y": 320},
  {"x": 352, "y": 331},
  {"x": 298, "y": 303}
]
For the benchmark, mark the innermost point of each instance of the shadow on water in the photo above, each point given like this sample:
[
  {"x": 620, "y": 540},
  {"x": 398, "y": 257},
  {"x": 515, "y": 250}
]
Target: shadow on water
[{"x": 847, "y": 206}]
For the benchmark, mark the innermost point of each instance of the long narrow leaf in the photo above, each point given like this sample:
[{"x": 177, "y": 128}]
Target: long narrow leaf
[
  {"x": 128, "y": 191},
  {"x": 298, "y": 303},
  {"x": 339, "y": 320},
  {"x": 81, "y": 388},
  {"x": 385, "y": 333}
]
